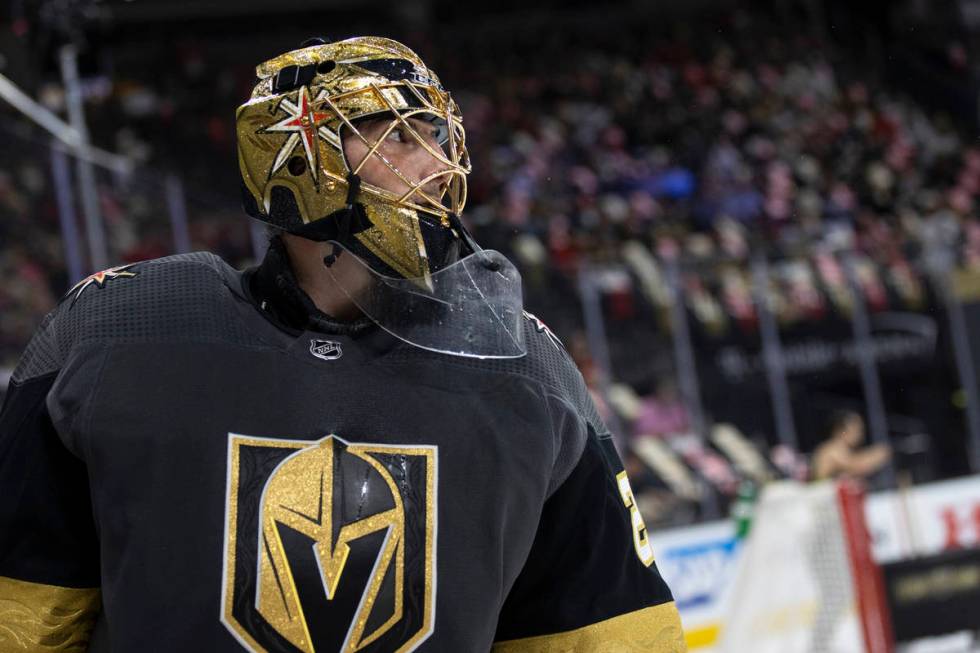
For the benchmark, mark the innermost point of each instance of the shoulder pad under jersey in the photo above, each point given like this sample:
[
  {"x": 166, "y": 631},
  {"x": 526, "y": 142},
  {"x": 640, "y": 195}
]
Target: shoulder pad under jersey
[{"x": 186, "y": 297}]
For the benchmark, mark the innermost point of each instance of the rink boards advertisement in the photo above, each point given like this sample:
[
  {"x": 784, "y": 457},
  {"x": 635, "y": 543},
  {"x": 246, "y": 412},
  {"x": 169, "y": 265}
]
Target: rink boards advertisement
[{"x": 700, "y": 562}]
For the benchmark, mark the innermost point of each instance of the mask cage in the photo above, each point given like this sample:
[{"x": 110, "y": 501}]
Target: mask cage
[{"x": 452, "y": 156}]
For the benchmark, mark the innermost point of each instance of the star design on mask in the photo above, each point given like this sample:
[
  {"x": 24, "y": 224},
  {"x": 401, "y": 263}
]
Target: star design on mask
[
  {"x": 302, "y": 125},
  {"x": 100, "y": 279}
]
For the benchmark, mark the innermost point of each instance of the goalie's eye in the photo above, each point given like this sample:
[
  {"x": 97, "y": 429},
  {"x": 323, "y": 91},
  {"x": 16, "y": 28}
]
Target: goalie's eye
[
  {"x": 398, "y": 135},
  {"x": 432, "y": 127},
  {"x": 440, "y": 133}
]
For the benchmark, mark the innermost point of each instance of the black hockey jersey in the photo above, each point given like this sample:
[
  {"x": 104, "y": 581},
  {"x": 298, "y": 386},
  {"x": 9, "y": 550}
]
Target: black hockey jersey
[{"x": 183, "y": 467}]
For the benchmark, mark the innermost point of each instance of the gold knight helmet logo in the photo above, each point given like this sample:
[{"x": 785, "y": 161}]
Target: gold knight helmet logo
[{"x": 329, "y": 545}]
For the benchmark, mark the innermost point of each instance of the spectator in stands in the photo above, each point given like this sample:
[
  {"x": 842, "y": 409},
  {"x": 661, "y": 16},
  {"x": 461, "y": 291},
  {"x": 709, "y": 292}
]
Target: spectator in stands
[{"x": 839, "y": 457}]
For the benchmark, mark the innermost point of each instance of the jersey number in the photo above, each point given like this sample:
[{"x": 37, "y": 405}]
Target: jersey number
[{"x": 640, "y": 540}]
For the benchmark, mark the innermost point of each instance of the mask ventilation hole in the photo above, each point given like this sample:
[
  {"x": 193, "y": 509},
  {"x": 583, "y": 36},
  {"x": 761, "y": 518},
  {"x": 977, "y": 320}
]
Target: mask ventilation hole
[{"x": 296, "y": 166}]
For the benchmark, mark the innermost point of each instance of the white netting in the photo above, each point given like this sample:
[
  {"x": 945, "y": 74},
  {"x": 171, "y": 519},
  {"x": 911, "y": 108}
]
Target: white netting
[{"x": 794, "y": 591}]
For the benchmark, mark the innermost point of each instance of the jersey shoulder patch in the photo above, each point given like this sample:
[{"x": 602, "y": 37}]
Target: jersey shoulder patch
[
  {"x": 547, "y": 359},
  {"x": 170, "y": 276},
  {"x": 183, "y": 297},
  {"x": 540, "y": 327},
  {"x": 99, "y": 280}
]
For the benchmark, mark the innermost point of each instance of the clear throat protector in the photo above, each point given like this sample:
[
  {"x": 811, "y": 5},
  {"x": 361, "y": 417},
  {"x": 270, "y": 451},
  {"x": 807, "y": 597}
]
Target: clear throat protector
[{"x": 471, "y": 307}]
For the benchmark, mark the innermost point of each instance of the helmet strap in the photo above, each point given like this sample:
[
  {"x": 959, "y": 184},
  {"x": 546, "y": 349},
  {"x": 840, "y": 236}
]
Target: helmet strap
[
  {"x": 353, "y": 188},
  {"x": 464, "y": 233},
  {"x": 344, "y": 219}
]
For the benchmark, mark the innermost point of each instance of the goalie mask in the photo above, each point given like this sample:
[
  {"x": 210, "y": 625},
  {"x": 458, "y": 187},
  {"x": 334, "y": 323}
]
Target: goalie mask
[{"x": 431, "y": 285}]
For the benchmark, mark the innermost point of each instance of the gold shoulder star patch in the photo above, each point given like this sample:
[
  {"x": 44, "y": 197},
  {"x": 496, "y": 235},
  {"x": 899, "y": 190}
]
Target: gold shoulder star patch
[{"x": 100, "y": 279}]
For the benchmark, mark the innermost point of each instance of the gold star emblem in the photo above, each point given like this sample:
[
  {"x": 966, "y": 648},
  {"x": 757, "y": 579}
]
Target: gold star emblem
[
  {"x": 302, "y": 124},
  {"x": 99, "y": 279}
]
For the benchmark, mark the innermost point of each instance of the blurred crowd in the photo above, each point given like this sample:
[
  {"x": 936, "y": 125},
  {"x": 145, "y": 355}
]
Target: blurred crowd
[
  {"x": 134, "y": 210},
  {"x": 706, "y": 150},
  {"x": 31, "y": 256},
  {"x": 756, "y": 141},
  {"x": 620, "y": 152}
]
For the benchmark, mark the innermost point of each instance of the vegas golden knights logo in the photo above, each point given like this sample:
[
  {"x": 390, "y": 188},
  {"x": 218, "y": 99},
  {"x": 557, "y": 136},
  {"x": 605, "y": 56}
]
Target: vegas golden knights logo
[{"x": 329, "y": 545}]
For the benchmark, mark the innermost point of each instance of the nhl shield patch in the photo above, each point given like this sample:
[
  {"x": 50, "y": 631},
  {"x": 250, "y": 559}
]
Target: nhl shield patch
[
  {"x": 327, "y": 350},
  {"x": 329, "y": 545}
]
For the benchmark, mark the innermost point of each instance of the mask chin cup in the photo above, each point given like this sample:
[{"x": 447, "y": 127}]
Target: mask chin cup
[{"x": 471, "y": 308}]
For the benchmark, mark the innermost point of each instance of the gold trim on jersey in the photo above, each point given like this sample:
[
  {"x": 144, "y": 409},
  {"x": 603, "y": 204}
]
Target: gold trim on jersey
[
  {"x": 38, "y": 617},
  {"x": 656, "y": 629}
]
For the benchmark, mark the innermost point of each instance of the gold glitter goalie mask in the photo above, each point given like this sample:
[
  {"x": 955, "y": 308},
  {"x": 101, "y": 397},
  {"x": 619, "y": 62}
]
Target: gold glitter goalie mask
[{"x": 431, "y": 284}]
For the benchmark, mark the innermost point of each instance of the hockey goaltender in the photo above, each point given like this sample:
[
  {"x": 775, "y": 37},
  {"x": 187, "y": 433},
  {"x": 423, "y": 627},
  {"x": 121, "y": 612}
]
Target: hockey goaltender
[{"x": 362, "y": 444}]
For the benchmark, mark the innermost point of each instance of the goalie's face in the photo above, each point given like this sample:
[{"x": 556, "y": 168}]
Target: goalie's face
[{"x": 388, "y": 155}]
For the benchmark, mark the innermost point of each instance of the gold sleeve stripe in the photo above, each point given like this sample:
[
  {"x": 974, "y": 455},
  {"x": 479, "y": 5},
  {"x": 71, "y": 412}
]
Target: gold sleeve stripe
[
  {"x": 36, "y": 617},
  {"x": 652, "y": 630}
]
